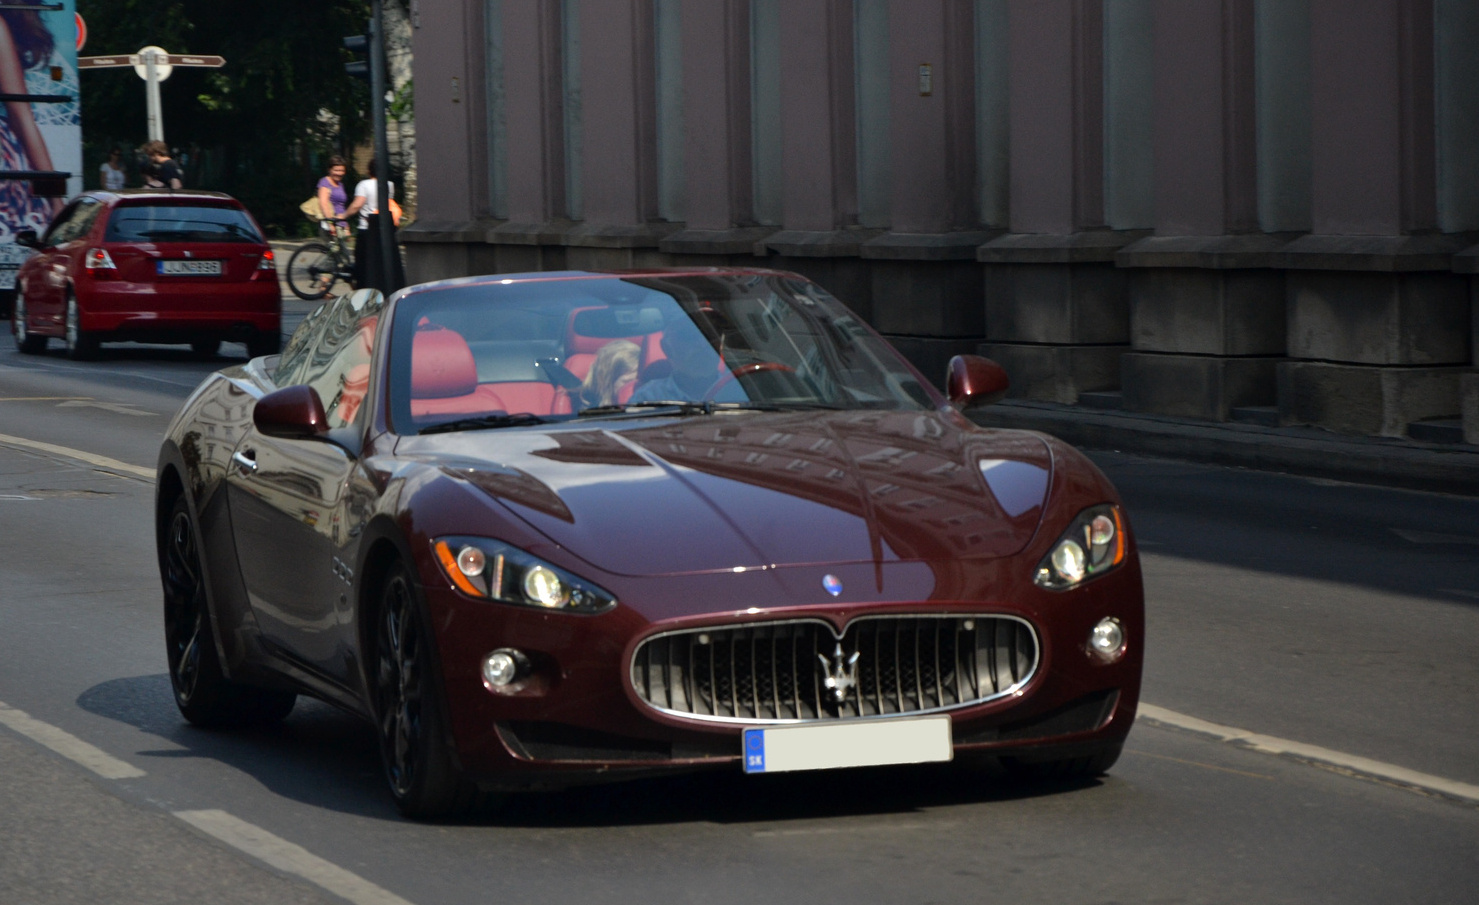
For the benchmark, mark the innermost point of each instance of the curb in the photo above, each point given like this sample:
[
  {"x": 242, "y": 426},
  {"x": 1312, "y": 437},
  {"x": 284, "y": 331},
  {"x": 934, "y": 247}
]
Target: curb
[
  {"x": 1306, "y": 451},
  {"x": 1313, "y": 754}
]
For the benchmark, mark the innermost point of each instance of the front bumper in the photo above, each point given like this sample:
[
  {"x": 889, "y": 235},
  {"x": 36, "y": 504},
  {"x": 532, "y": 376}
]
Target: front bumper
[{"x": 577, "y": 717}]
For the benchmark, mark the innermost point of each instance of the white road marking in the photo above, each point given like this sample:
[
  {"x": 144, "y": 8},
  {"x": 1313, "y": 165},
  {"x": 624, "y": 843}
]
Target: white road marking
[
  {"x": 79, "y": 455},
  {"x": 1269, "y": 744},
  {"x": 67, "y": 745},
  {"x": 288, "y": 857},
  {"x": 115, "y": 407}
]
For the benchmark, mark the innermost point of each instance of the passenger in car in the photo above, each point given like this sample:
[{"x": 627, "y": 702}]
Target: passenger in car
[{"x": 614, "y": 369}]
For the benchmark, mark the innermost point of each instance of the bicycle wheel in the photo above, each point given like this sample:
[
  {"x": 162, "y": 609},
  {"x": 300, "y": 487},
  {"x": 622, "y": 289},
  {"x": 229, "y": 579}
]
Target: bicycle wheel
[{"x": 312, "y": 271}]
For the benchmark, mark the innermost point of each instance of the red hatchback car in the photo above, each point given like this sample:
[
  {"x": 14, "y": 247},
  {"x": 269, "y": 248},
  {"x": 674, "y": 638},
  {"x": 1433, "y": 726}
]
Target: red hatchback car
[{"x": 148, "y": 266}]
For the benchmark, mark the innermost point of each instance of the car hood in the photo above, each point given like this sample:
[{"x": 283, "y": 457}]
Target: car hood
[{"x": 739, "y": 491}]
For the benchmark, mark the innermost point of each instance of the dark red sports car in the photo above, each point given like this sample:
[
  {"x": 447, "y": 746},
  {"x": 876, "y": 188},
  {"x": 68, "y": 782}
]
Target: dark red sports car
[
  {"x": 148, "y": 266},
  {"x": 543, "y": 528}
]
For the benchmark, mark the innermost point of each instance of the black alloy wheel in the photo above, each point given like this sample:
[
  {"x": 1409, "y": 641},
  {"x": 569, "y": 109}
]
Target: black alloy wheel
[
  {"x": 26, "y": 341},
  {"x": 205, "y": 697},
  {"x": 419, "y": 767}
]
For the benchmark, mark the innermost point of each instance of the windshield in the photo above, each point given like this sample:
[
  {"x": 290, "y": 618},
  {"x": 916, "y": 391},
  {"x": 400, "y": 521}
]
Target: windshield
[
  {"x": 180, "y": 223},
  {"x": 572, "y": 345}
]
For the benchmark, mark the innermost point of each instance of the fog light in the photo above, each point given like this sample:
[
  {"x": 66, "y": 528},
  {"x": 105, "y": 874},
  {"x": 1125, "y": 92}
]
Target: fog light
[
  {"x": 1107, "y": 639},
  {"x": 502, "y": 667}
]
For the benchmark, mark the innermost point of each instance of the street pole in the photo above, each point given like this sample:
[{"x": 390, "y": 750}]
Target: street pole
[
  {"x": 151, "y": 91},
  {"x": 384, "y": 223}
]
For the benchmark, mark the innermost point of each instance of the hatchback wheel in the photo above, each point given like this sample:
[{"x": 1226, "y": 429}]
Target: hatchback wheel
[
  {"x": 28, "y": 342},
  {"x": 419, "y": 767},
  {"x": 81, "y": 344}
]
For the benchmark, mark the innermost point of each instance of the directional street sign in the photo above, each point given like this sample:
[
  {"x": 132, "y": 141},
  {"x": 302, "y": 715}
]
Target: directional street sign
[{"x": 154, "y": 65}]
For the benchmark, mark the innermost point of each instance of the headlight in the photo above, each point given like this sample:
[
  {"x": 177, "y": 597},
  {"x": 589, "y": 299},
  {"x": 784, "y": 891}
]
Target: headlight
[
  {"x": 1094, "y": 543},
  {"x": 491, "y": 570}
]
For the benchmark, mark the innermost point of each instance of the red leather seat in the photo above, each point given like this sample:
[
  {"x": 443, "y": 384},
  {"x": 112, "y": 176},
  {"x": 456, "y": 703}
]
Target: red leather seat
[{"x": 444, "y": 377}]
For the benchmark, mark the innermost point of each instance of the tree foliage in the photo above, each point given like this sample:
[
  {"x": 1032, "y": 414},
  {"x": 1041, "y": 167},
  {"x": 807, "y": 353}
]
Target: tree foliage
[{"x": 260, "y": 126}]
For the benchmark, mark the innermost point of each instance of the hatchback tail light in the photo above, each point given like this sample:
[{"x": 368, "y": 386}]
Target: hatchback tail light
[
  {"x": 99, "y": 264},
  {"x": 267, "y": 262}
]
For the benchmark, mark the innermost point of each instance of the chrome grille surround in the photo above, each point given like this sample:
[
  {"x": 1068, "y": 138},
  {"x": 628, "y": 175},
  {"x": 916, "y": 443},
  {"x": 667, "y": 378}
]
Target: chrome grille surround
[{"x": 769, "y": 673}]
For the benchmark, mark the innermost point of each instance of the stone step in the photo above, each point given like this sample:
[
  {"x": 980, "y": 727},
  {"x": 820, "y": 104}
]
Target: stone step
[
  {"x": 1265, "y": 415},
  {"x": 1439, "y": 430},
  {"x": 1109, "y": 400}
]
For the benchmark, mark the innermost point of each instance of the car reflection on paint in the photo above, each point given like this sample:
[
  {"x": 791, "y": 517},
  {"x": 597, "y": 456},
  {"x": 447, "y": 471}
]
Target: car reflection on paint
[{"x": 770, "y": 545}]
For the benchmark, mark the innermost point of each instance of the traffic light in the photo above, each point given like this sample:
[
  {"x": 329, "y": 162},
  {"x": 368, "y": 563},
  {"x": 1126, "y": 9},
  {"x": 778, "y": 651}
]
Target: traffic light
[{"x": 360, "y": 45}]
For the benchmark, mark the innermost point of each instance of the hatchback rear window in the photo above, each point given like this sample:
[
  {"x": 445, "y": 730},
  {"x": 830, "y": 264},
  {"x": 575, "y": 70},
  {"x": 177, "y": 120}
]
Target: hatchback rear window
[{"x": 180, "y": 223}]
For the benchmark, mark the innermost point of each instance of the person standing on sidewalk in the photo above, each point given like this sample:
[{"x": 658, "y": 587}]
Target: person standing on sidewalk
[
  {"x": 111, "y": 175},
  {"x": 367, "y": 251},
  {"x": 166, "y": 171}
]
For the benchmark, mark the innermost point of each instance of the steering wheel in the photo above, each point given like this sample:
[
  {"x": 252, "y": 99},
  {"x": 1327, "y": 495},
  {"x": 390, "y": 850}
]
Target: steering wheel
[{"x": 741, "y": 371}]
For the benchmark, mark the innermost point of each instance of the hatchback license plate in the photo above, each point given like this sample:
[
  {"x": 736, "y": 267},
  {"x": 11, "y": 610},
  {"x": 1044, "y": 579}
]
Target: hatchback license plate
[
  {"x": 190, "y": 268},
  {"x": 859, "y": 743}
]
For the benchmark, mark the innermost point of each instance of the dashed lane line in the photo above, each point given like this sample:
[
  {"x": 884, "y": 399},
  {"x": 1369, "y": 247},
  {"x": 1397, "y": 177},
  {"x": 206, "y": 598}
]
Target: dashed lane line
[
  {"x": 67, "y": 745},
  {"x": 289, "y": 857},
  {"x": 103, "y": 462},
  {"x": 1314, "y": 754}
]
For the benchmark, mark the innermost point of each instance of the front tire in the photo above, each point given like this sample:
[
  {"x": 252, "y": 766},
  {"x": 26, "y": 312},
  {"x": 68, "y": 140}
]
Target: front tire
[
  {"x": 82, "y": 345},
  {"x": 410, "y": 715},
  {"x": 205, "y": 697},
  {"x": 26, "y": 341},
  {"x": 312, "y": 271}
]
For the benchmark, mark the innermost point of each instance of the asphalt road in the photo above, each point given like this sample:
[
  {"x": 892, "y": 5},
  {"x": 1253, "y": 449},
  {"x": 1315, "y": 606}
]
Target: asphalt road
[{"x": 1326, "y": 614}]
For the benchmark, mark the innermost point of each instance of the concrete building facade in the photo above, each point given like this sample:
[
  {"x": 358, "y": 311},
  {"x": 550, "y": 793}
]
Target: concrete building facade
[{"x": 1218, "y": 209}]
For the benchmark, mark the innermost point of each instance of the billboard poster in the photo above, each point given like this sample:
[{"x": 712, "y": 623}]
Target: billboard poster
[{"x": 38, "y": 57}]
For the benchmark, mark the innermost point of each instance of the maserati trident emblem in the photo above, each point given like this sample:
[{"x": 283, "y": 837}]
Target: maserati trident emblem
[
  {"x": 841, "y": 672},
  {"x": 833, "y": 584}
]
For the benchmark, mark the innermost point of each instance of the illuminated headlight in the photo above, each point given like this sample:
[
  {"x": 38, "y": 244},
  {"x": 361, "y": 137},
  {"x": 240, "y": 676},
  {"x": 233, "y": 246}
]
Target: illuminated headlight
[
  {"x": 490, "y": 570},
  {"x": 1093, "y": 544}
]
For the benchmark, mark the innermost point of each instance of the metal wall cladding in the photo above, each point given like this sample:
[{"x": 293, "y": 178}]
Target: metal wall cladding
[{"x": 778, "y": 671}]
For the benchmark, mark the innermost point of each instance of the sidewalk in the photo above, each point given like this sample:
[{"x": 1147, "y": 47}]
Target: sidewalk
[{"x": 1413, "y": 464}]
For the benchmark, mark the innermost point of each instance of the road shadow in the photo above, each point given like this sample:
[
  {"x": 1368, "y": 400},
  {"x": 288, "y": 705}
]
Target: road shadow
[
  {"x": 231, "y": 353},
  {"x": 323, "y": 757}
]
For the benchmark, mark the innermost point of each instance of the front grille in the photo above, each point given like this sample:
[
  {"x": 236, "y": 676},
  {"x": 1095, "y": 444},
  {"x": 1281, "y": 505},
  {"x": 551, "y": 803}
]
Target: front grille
[{"x": 773, "y": 671}]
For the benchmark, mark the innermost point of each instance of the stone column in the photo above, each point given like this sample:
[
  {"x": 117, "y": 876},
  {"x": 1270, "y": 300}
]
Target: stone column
[
  {"x": 1206, "y": 310},
  {"x": 450, "y": 53},
  {"x": 819, "y": 235},
  {"x": 717, "y": 144},
  {"x": 927, "y": 287},
  {"x": 1056, "y": 315},
  {"x": 619, "y": 95},
  {"x": 534, "y": 139},
  {"x": 1379, "y": 325}
]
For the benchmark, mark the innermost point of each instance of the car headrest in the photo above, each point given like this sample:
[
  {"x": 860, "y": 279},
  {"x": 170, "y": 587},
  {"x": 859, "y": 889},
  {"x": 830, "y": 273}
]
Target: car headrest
[{"x": 441, "y": 364}]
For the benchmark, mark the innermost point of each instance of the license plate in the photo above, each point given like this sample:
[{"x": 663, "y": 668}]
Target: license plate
[
  {"x": 190, "y": 268},
  {"x": 860, "y": 743}
]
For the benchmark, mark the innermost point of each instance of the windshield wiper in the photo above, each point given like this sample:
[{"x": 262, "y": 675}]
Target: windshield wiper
[
  {"x": 682, "y": 408},
  {"x": 484, "y": 422}
]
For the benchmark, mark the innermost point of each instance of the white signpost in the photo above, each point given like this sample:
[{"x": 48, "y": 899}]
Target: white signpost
[{"x": 154, "y": 65}]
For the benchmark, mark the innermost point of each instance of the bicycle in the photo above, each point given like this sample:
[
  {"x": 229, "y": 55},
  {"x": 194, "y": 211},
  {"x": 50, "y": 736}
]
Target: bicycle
[{"x": 314, "y": 268}]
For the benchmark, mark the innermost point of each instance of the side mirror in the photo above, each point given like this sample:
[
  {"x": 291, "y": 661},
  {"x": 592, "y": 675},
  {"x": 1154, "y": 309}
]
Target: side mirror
[
  {"x": 27, "y": 237},
  {"x": 292, "y": 413},
  {"x": 973, "y": 381}
]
